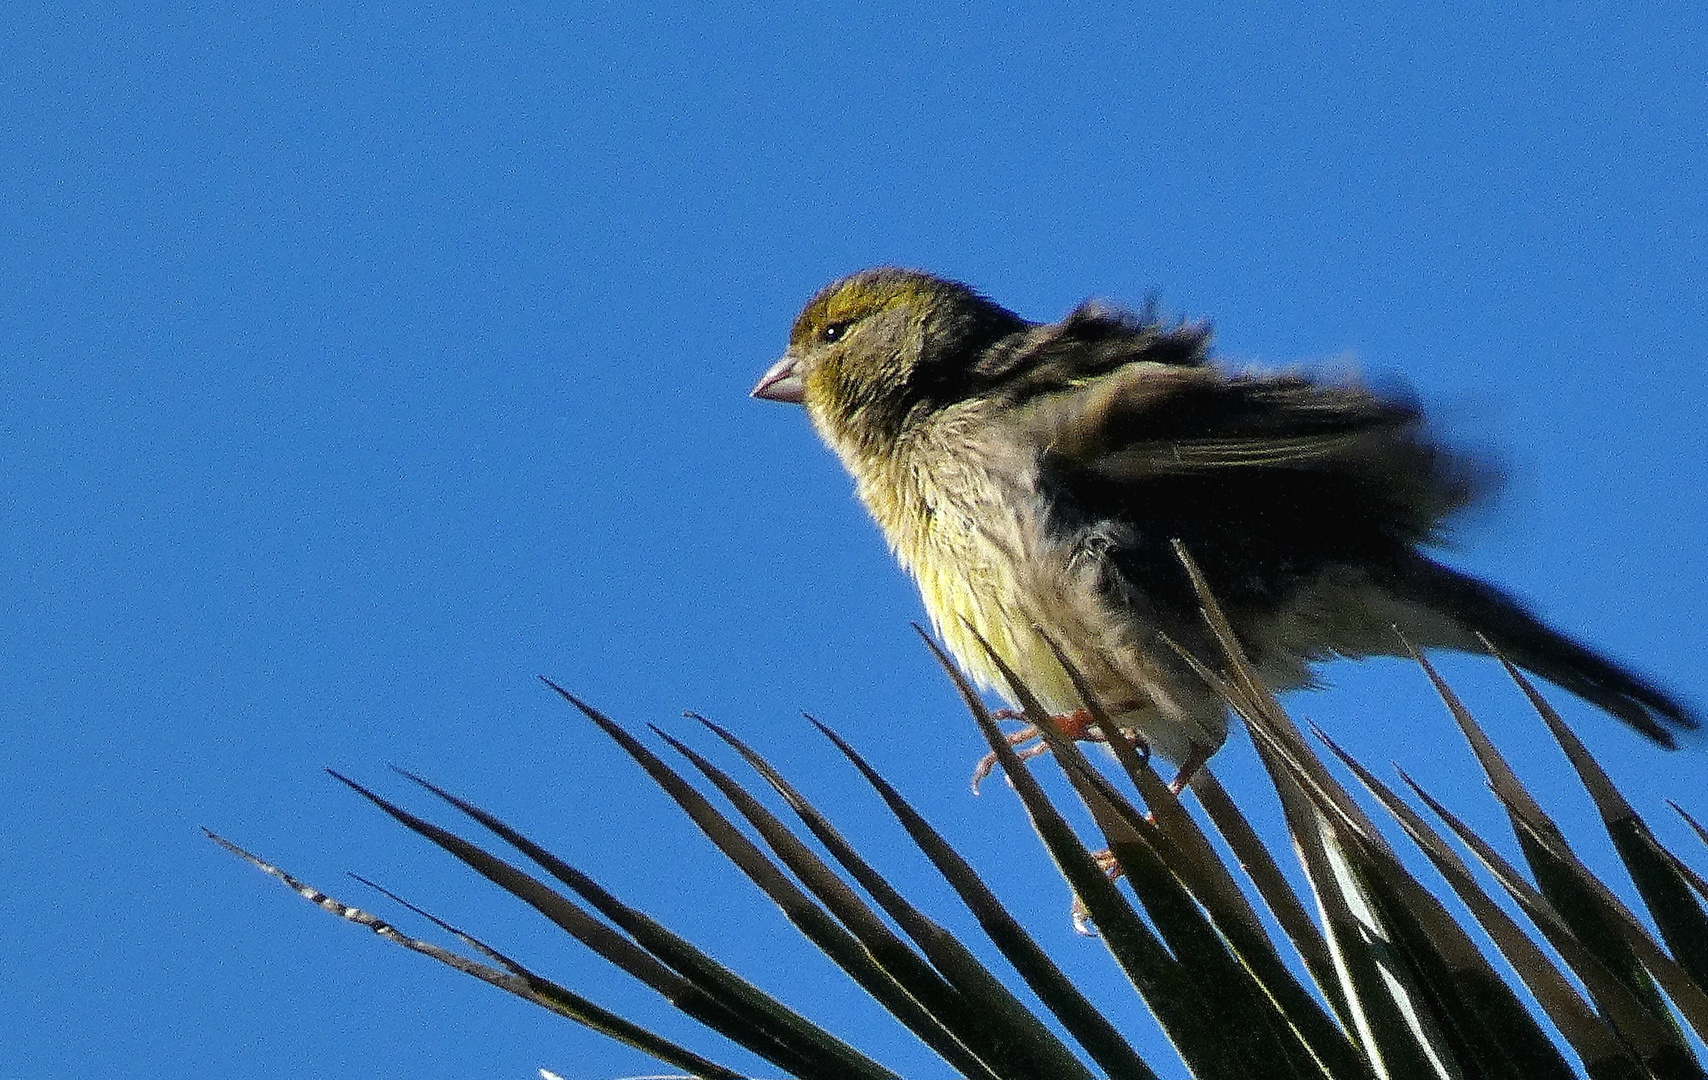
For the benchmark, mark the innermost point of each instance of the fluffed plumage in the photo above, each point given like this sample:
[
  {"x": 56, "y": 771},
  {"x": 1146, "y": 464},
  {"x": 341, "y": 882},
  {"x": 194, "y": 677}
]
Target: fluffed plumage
[{"x": 1033, "y": 475}]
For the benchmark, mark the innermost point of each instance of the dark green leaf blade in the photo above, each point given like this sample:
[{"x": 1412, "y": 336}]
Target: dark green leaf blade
[{"x": 513, "y": 978}]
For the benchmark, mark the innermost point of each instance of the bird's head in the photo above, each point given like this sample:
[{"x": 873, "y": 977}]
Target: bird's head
[{"x": 872, "y": 350}]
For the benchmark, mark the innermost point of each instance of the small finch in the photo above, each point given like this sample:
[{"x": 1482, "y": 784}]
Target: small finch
[{"x": 1034, "y": 477}]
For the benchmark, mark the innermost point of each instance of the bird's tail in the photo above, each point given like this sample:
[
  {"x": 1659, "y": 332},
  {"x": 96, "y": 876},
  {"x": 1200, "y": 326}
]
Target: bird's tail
[{"x": 1526, "y": 641}]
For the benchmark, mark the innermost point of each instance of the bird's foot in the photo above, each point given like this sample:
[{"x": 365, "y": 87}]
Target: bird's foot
[
  {"x": 1081, "y": 914},
  {"x": 1077, "y": 725},
  {"x": 1106, "y": 860},
  {"x": 1189, "y": 768}
]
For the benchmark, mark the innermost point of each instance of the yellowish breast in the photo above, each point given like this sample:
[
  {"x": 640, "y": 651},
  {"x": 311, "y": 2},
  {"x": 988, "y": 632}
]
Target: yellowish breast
[
  {"x": 968, "y": 524},
  {"x": 970, "y": 535}
]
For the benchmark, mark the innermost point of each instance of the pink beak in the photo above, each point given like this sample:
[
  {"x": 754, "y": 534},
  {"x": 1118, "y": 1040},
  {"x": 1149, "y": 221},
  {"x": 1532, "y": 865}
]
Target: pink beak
[{"x": 781, "y": 383}]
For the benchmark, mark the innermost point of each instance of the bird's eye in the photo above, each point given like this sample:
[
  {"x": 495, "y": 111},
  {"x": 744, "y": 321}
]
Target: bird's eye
[{"x": 834, "y": 332}]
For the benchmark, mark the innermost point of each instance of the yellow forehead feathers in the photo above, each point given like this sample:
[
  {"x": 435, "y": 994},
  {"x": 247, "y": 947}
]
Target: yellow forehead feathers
[{"x": 856, "y": 297}]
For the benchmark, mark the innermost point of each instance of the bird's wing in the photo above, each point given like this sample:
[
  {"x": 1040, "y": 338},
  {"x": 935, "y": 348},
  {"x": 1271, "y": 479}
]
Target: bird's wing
[
  {"x": 1093, "y": 341},
  {"x": 1149, "y": 427},
  {"x": 1270, "y": 481}
]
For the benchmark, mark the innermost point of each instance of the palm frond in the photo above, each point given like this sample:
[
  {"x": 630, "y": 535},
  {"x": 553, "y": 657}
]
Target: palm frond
[{"x": 1384, "y": 981}]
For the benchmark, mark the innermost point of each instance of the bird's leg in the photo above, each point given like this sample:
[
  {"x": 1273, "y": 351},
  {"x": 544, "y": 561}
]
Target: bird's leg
[
  {"x": 1077, "y": 725},
  {"x": 1017, "y": 740},
  {"x": 1105, "y": 859},
  {"x": 1189, "y": 768},
  {"x": 1081, "y": 915}
]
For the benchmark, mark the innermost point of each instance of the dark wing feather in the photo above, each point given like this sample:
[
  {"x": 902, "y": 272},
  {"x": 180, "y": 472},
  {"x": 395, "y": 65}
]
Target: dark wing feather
[
  {"x": 1267, "y": 479},
  {"x": 1091, "y": 342}
]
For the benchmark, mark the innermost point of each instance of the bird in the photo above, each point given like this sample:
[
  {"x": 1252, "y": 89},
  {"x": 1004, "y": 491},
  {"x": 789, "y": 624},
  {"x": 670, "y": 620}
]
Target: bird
[{"x": 1035, "y": 478}]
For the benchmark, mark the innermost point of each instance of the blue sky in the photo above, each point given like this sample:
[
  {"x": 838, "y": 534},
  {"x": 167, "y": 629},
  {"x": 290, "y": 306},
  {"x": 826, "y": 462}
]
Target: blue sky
[{"x": 359, "y": 364}]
